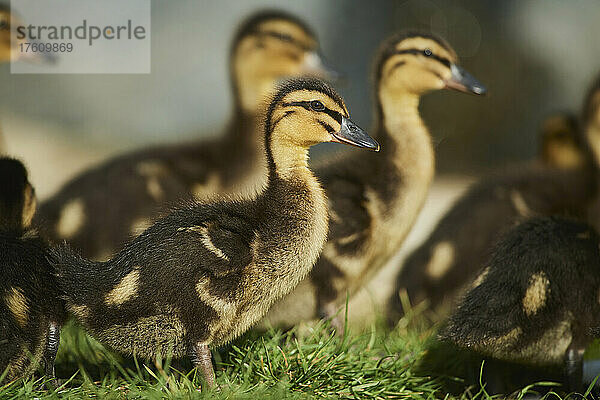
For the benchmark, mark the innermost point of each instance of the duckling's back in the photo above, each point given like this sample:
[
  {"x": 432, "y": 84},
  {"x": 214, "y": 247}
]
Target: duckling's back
[
  {"x": 537, "y": 296},
  {"x": 448, "y": 261}
]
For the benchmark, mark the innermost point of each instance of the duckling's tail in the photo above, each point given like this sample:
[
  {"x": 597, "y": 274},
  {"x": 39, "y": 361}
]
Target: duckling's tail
[{"x": 77, "y": 276}]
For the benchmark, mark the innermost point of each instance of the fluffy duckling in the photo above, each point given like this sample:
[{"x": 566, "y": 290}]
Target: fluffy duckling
[
  {"x": 449, "y": 259},
  {"x": 102, "y": 208},
  {"x": 374, "y": 201},
  {"x": 31, "y": 311},
  {"x": 205, "y": 273},
  {"x": 536, "y": 302}
]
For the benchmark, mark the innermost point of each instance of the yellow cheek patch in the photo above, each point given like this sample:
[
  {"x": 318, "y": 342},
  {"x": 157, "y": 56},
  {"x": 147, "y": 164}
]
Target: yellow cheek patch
[
  {"x": 125, "y": 290},
  {"x": 72, "y": 218},
  {"x": 17, "y": 304},
  {"x": 535, "y": 296}
]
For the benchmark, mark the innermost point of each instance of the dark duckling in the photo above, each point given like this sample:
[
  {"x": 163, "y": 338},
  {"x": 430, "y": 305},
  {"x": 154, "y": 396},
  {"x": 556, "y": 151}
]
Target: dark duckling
[
  {"x": 31, "y": 311},
  {"x": 536, "y": 302},
  {"x": 206, "y": 272}
]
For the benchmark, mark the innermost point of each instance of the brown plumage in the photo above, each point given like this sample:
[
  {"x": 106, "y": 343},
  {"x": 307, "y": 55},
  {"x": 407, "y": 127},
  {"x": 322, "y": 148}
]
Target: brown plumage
[
  {"x": 375, "y": 199},
  {"x": 206, "y": 272},
  {"x": 536, "y": 300},
  {"x": 103, "y": 207},
  {"x": 31, "y": 311}
]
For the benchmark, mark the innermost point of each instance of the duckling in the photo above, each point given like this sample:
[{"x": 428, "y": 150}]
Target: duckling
[
  {"x": 206, "y": 272},
  {"x": 374, "y": 201},
  {"x": 448, "y": 260},
  {"x": 103, "y": 207},
  {"x": 536, "y": 302},
  {"x": 31, "y": 312}
]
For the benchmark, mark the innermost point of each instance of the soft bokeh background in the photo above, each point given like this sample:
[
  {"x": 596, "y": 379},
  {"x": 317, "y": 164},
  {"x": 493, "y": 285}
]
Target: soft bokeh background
[{"x": 535, "y": 56}]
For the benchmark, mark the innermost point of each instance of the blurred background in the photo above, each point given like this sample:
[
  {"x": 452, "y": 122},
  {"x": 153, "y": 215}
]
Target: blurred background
[{"x": 535, "y": 57}]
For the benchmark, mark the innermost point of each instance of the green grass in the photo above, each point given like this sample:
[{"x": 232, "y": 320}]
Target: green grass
[{"x": 309, "y": 362}]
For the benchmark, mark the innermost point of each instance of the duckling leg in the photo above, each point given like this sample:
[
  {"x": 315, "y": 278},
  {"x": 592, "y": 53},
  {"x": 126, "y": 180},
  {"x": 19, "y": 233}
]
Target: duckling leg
[
  {"x": 51, "y": 350},
  {"x": 202, "y": 359},
  {"x": 574, "y": 368}
]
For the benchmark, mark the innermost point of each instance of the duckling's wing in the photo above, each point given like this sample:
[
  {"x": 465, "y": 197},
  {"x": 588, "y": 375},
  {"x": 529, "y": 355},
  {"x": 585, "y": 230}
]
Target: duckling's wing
[
  {"x": 488, "y": 316},
  {"x": 215, "y": 242},
  {"x": 349, "y": 223}
]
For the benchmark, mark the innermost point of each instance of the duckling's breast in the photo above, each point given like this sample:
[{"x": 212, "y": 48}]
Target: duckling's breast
[
  {"x": 392, "y": 203},
  {"x": 549, "y": 348},
  {"x": 146, "y": 337},
  {"x": 284, "y": 252}
]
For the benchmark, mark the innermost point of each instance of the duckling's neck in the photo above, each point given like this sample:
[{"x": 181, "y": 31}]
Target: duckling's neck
[
  {"x": 408, "y": 156},
  {"x": 405, "y": 134},
  {"x": 289, "y": 162},
  {"x": 297, "y": 215}
]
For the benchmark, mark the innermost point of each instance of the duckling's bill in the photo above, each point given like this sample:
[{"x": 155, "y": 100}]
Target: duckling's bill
[
  {"x": 463, "y": 81},
  {"x": 352, "y": 134}
]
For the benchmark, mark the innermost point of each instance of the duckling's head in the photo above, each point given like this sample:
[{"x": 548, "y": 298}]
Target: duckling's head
[
  {"x": 305, "y": 112},
  {"x": 17, "y": 198},
  {"x": 591, "y": 118},
  {"x": 416, "y": 63},
  {"x": 269, "y": 47},
  {"x": 561, "y": 142}
]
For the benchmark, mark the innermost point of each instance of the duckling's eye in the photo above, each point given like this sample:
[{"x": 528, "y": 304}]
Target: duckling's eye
[
  {"x": 284, "y": 37},
  {"x": 316, "y": 105},
  {"x": 427, "y": 52}
]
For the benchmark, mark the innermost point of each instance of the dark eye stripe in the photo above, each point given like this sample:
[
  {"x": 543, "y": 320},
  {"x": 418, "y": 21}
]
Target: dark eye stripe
[
  {"x": 327, "y": 127},
  {"x": 306, "y": 104},
  {"x": 333, "y": 114},
  {"x": 418, "y": 52}
]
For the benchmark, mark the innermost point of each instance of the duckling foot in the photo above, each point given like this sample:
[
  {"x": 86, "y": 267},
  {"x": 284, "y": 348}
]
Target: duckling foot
[
  {"x": 574, "y": 369},
  {"x": 50, "y": 352},
  {"x": 202, "y": 359}
]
